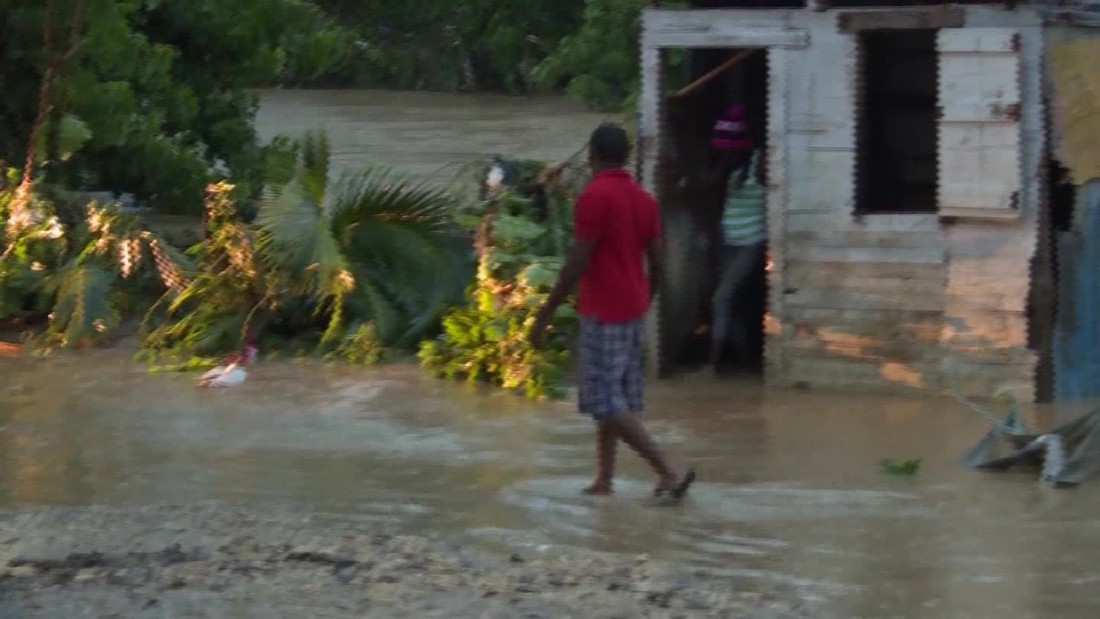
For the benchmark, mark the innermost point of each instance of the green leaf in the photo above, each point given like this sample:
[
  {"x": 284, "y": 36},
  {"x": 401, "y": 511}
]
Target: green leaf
[
  {"x": 516, "y": 230},
  {"x": 903, "y": 467},
  {"x": 542, "y": 273},
  {"x": 82, "y": 311}
]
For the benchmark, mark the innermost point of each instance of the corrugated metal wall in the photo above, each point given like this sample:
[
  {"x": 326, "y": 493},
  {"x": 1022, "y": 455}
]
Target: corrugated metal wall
[{"x": 1077, "y": 334}]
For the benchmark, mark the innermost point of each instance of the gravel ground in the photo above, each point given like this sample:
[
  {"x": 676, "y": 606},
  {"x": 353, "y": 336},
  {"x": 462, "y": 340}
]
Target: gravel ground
[{"x": 228, "y": 562}]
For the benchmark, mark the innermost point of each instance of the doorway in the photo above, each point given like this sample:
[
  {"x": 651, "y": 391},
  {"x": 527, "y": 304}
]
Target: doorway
[{"x": 693, "y": 205}]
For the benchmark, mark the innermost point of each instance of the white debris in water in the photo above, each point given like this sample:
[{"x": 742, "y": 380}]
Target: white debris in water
[{"x": 1054, "y": 458}]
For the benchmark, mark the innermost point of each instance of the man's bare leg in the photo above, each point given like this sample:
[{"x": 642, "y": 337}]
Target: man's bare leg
[
  {"x": 634, "y": 434},
  {"x": 606, "y": 442}
]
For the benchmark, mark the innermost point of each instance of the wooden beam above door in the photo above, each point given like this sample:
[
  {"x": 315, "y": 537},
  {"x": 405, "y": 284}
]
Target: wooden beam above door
[{"x": 933, "y": 17}]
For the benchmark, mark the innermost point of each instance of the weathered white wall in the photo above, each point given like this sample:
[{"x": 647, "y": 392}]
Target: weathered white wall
[{"x": 862, "y": 300}]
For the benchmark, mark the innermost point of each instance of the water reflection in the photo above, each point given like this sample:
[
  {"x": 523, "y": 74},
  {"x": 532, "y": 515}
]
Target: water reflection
[{"x": 790, "y": 488}]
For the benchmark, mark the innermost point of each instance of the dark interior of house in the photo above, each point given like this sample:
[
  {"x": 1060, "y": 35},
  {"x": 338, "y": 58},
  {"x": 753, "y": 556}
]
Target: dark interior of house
[
  {"x": 897, "y": 165},
  {"x": 693, "y": 207}
]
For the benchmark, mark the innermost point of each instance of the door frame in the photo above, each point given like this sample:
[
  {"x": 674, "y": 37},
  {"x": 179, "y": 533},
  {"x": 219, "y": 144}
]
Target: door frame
[{"x": 663, "y": 29}]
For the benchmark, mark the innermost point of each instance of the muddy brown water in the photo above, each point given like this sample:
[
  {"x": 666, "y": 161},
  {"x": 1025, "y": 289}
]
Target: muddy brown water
[
  {"x": 428, "y": 136},
  {"x": 790, "y": 489}
]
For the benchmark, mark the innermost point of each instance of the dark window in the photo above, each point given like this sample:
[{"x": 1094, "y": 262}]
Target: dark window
[{"x": 896, "y": 141}]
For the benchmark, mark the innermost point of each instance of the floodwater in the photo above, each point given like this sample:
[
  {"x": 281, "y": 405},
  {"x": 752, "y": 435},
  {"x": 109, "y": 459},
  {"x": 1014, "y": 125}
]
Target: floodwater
[
  {"x": 790, "y": 489},
  {"x": 427, "y": 135}
]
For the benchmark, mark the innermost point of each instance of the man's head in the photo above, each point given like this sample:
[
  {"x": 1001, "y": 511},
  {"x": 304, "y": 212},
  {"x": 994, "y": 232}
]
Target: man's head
[{"x": 609, "y": 147}]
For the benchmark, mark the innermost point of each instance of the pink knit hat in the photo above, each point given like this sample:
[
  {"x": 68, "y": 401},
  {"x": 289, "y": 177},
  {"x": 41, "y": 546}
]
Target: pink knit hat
[{"x": 730, "y": 131}]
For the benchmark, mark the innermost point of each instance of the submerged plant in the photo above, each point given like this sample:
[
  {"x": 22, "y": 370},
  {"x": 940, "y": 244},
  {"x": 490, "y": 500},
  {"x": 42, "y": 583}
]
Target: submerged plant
[
  {"x": 520, "y": 250},
  {"x": 902, "y": 467},
  {"x": 80, "y": 273},
  {"x": 349, "y": 268}
]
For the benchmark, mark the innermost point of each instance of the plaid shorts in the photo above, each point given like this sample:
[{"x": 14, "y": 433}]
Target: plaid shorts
[{"x": 610, "y": 367}]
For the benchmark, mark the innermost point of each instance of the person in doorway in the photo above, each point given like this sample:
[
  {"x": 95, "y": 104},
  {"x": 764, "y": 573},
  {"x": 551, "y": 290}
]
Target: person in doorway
[
  {"x": 731, "y": 143},
  {"x": 616, "y": 228},
  {"x": 742, "y": 254}
]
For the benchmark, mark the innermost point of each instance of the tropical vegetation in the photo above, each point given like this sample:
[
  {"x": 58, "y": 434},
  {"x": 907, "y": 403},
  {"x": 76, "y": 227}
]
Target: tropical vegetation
[
  {"x": 152, "y": 98},
  {"x": 356, "y": 268},
  {"x": 521, "y": 237}
]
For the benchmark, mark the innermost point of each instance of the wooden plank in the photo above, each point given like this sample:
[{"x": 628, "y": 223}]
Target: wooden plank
[
  {"x": 996, "y": 244},
  {"x": 977, "y": 327},
  {"x": 908, "y": 255},
  {"x": 983, "y": 284},
  {"x": 727, "y": 35},
  {"x": 689, "y": 19},
  {"x": 802, "y": 221},
  {"x": 979, "y": 87},
  {"x": 868, "y": 270},
  {"x": 777, "y": 205},
  {"x": 649, "y": 118},
  {"x": 843, "y": 283},
  {"x": 992, "y": 302},
  {"x": 821, "y": 116},
  {"x": 864, "y": 321},
  {"x": 825, "y": 297},
  {"x": 649, "y": 132},
  {"x": 979, "y": 159},
  {"x": 866, "y": 238},
  {"x": 979, "y": 40},
  {"x": 979, "y": 167},
  {"x": 821, "y": 180},
  {"x": 995, "y": 16},
  {"x": 960, "y": 372},
  {"x": 1013, "y": 267},
  {"x": 901, "y": 19},
  {"x": 910, "y": 351}
]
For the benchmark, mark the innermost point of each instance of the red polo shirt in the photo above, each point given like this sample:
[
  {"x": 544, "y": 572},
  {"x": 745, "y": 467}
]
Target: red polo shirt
[{"x": 620, "y": 219}]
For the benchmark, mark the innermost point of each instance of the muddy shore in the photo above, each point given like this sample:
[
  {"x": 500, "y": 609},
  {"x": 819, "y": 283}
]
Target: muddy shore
[{"x": 227, "y": 562}]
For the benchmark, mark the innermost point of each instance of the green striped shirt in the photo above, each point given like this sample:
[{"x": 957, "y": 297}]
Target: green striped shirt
[{"x": 743, "y": 219}]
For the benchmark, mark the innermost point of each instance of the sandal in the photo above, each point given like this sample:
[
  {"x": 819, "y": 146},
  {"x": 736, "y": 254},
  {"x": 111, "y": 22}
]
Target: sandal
[{"x": 679, "y": 490}]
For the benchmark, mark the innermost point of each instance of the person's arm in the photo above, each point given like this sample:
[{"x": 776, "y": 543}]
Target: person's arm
[
  {"x": 570, "y": 274},
  {"x": 587, "y": 227}
]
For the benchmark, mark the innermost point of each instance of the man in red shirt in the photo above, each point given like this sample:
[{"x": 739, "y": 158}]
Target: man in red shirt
[{"x": 616, "y": 227}]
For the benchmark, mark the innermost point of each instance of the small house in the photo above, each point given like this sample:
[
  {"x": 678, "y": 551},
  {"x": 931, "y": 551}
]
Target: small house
[{"x": 932, "y": 182}]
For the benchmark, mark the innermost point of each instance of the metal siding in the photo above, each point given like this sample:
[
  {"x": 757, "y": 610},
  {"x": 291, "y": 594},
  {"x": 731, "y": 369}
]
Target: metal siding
[
  {"x": 1077, "y": 333},
  {"x": 1076, "y": 99},
  {"x": 979, "y": 133}
]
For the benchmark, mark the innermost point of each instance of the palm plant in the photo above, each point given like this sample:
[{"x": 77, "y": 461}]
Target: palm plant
[{"x": 372, "y": 247}]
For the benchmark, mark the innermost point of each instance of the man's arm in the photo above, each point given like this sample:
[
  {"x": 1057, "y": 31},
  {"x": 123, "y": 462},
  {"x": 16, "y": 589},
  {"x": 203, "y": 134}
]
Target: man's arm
[{"x": 570, "y": 274}]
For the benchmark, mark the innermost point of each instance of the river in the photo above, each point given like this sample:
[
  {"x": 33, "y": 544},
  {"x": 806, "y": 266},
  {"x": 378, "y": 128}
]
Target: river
[
  {"x": 429, "y": 136},
  {"x": 790, "y": 488}
]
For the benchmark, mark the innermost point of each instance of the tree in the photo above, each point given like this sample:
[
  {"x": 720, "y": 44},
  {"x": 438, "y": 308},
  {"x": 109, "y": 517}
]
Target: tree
[
  {"x": 157, "y": 89},
  {"x": 598, "y": 64}
]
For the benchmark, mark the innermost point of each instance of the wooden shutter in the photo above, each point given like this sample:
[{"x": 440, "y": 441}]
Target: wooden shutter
[{"x": 979, "y": 125}]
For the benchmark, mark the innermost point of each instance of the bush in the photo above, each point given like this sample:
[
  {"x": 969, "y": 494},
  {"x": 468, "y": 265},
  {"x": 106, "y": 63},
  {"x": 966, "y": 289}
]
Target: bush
[
  {"x": 80, "y": 273},
  {"x": 352, "y": 269},
  {"x": 520, "y": 252}
]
